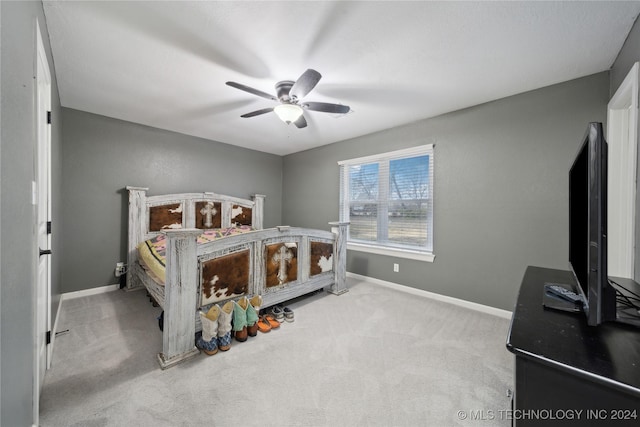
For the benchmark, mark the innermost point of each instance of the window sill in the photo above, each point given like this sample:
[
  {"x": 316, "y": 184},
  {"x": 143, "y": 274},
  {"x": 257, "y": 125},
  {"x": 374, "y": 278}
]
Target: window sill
[{"x": 395, "y": 252}]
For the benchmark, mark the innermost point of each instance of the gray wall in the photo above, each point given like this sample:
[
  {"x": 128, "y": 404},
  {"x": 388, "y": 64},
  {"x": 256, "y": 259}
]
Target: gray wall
[
  {"x": 629, "y": 55},
  {"x": 17, "y": 215},
  {"x": 501, "y": 193},
  {"x": 103, "y": 155}
]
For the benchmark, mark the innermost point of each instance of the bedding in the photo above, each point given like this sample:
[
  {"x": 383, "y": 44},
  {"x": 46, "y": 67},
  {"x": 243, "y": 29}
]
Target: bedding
[{"x": 152, "y": 252}]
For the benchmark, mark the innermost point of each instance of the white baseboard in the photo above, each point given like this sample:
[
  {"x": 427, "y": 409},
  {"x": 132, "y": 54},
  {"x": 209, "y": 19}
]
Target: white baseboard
[
  {"x": 451, "y": 300},
  {"x": 87, "y": 292}
]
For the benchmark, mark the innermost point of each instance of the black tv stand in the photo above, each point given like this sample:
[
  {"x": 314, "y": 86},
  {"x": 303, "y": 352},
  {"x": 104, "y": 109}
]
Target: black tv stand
[{"x": 566, "y": 368}]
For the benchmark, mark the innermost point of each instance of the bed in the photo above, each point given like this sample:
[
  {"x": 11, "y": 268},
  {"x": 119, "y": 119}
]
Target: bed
[{"x": 193, "y": 250}]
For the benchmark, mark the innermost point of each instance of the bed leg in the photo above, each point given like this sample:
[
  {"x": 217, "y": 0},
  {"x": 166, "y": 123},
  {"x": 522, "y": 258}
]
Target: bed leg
[
  {"x": 178, "y": 335},
  {"x": 341, "y": 230}
]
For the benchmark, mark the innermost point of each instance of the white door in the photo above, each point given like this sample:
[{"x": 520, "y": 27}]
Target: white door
[{"x": 42, "y": 192}]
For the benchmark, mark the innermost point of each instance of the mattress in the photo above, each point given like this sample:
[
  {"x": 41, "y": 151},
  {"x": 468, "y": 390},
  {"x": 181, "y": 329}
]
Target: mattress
[{"x": 152, "y": 253}]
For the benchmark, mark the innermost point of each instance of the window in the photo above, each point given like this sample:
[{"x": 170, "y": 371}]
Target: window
[{"x": 388, "y": 199}]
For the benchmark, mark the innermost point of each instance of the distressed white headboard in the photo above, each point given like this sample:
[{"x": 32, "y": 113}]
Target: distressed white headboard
[{"x": 149, "y": 215}]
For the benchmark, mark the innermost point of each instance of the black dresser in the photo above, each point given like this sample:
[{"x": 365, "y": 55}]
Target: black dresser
[{"x": 568, "y": 373}]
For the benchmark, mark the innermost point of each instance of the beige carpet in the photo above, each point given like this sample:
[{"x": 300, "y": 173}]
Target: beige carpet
[{"x": 374, "y": 356}]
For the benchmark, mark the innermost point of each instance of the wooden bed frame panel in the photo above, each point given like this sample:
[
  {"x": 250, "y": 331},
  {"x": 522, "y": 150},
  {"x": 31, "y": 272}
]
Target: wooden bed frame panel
[
  {"x": 225, "y": 276},
  {"x": 181, "y": 296}
]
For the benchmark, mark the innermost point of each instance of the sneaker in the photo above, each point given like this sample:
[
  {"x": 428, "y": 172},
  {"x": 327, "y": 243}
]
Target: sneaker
[{"x": 288, "y": 314}]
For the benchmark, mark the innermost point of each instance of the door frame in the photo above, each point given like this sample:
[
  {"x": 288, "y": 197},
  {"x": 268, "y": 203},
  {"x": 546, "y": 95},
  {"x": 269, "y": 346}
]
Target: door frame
[
  {"x": 42, "y": 152},
  {"x": 622, "y": 135}
]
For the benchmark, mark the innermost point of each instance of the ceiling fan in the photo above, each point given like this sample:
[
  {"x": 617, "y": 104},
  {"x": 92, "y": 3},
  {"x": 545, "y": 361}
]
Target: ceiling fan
[{"x": 289, "y": 94}]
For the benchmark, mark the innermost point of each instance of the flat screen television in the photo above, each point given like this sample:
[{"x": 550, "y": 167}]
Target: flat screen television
[{"x": 588, "y": 227}]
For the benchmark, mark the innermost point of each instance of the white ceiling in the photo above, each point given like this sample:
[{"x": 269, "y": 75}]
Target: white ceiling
[{"x": 165, "y": 64}]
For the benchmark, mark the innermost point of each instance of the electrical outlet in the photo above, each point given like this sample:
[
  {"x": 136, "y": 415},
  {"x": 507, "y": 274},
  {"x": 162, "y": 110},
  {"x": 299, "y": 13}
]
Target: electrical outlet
[
  {"x": 396, "y": 267},
  {"x": 120, "y": 270}
]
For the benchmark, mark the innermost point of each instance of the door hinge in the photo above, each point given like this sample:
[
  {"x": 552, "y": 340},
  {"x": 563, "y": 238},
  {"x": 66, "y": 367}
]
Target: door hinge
[
  {"x": 48, "y": 337},
  {"x": 48, "y": 117},
  {"x": 48, "y": 227}
]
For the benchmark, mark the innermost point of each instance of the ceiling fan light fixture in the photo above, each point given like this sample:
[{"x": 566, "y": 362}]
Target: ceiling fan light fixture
[
  {"x": 289, "y": 94},
  {"x": 288, "y": 113}
]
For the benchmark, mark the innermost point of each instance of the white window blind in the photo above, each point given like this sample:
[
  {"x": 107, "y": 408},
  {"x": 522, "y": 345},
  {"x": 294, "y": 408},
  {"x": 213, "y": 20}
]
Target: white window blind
[{"x": 388, "y": 199}]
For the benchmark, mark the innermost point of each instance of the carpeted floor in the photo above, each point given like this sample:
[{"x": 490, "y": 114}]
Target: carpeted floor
[{"x": 374, "y": 356}]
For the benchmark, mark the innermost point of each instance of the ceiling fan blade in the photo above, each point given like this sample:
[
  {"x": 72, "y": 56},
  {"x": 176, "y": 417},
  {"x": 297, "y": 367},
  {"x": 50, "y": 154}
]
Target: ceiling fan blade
[
  {"x": 252, "y": 90},
  {"x": 325, "y": 107},
  {"x": 257, "y": 112},
  {"x": 301, "y": 122},
  {"x": 305, "y": 83}
]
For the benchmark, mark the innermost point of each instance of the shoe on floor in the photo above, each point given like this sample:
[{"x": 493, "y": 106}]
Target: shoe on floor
[
  {"x": 277, "y": 313},
  {"x": 272, "y": 321},
  {"x": 288, "y": 314},
  {"x": 263, "y": 325}
]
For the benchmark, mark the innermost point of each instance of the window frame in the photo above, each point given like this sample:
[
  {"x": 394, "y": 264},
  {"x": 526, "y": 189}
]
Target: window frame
[{"x": 426, "y": 254}]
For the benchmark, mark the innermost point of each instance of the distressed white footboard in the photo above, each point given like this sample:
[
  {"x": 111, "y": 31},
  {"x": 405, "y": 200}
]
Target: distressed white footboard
[{"x": 303, "y": 239}]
